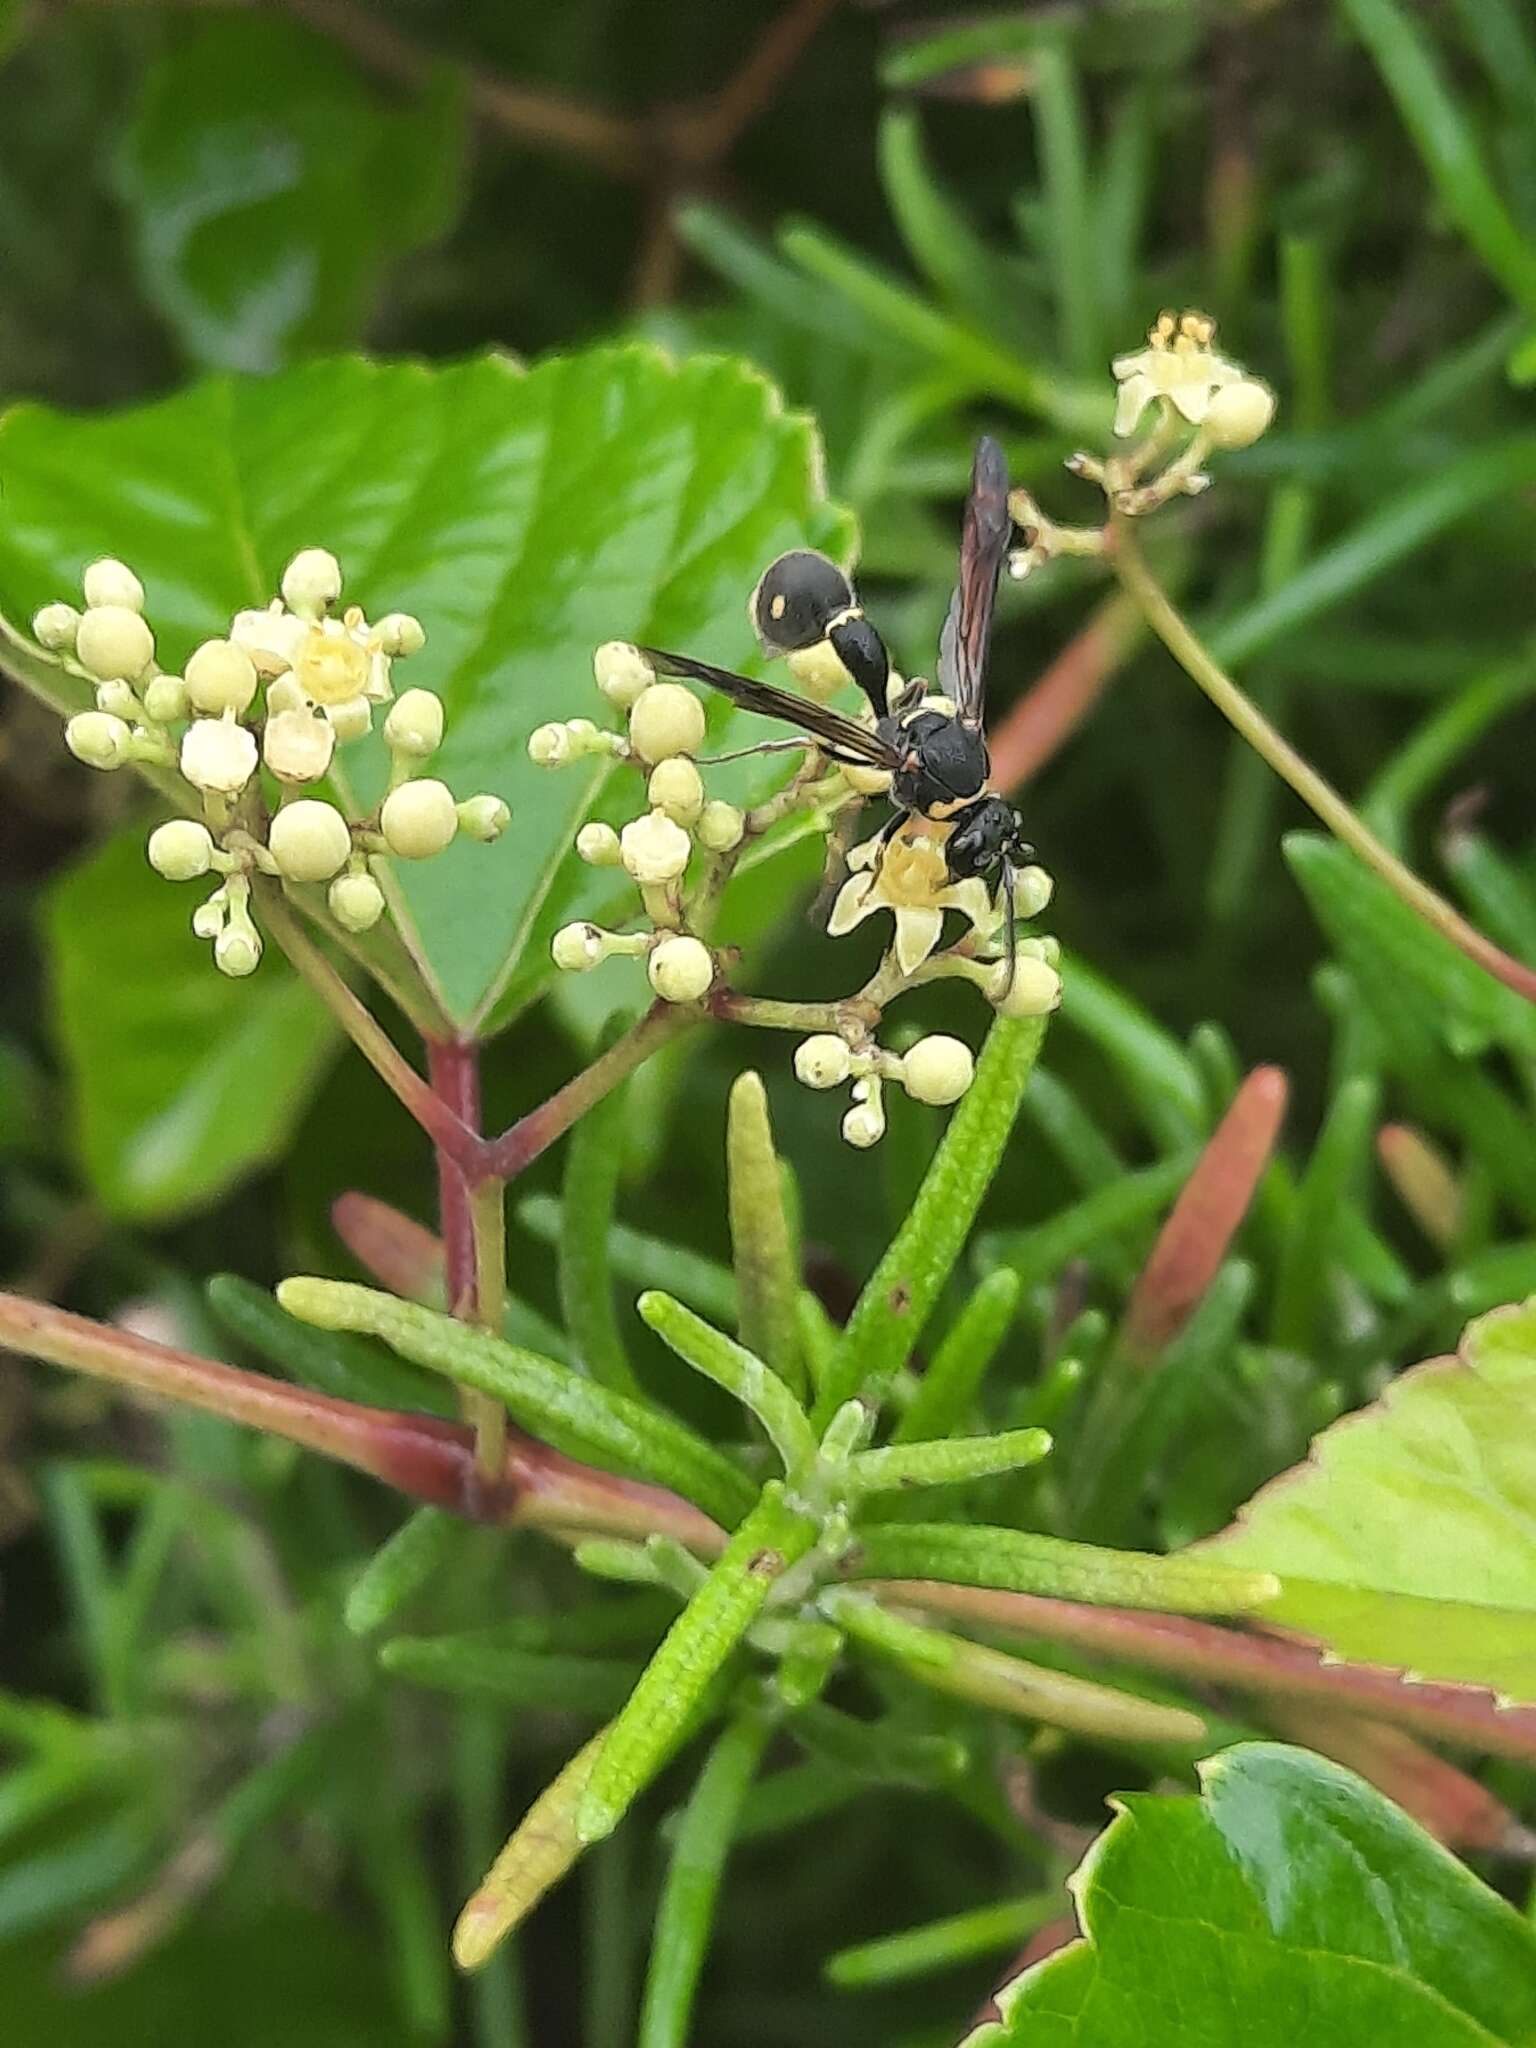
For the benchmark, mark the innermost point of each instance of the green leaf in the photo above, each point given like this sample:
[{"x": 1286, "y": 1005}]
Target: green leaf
[
  {"x": 947, "y": 1390},
  {"x": 270, "y": 186},
  {"x": 1408, "y": 1537},
  {"x": 477, "y": 1665},
  {"x": 767, "y": 1283},
  {"x": 1290, "y": 1901},
  {"x": 182, "y": 1080},
  {"x": 739, "y": 1371},
  {"x": 400, "y": 1567},
  {"x": 523, "y": 518}
]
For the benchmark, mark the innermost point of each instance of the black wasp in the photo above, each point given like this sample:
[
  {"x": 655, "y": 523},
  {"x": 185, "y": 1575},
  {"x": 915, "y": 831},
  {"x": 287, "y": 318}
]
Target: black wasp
[{"x": 937, "y": 759}]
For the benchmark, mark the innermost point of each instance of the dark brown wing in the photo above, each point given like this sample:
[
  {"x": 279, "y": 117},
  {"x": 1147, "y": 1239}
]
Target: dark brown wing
[
  {"x": 840, "y": 735},
  {"x": 962, "y": 675}
]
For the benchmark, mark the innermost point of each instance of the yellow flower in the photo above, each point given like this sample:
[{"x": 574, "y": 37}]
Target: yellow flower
[
  {"x": 910, "y": 880},
  {"x": 1178, "y": 364}
]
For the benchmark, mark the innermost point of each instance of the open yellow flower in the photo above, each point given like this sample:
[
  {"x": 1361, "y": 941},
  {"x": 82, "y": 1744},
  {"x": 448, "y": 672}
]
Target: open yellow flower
[
  {"x": 910, "y": 880},
  {"x": 1178, "y": 364}
]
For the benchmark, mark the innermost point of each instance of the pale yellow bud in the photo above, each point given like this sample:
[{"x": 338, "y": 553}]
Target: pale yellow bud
[
  {"x": 680, "y": 969},
  {"x": 598, "y": 846},
  {"x": 576, "y": 947},
  {"x": 297, "y": 745},
  {"x": 181, "y": 850},
  {"x": 112, "y": 582},
  {"x": 622, "y": 672},
  {"x": 208, "y": 918},
  {"x": 114, "y": 641},
  {"x": 1035, "y": 992},
  {"x": 721, "y": 827},
  {"x": 549, "y": 746},
  {"x": 309, "y": 840},
  {"x": 237, "y": 951},
  {"x": 938, "y": 1069},
  {"x": 118, "y": 698},
  {"x": 350, "y": 719},
  {"x": 419, "y": 819},
  {"x": 677, "y": 788},
  {"x": 55, "y": 627},
  {"x": 356, "y": 902},
  {"x": 484, "y": 817},
  {"x": 271, "y": 638},
  {"x": 817, "y": 670},
  {"x": 1033, "y": 888},
  {"x": 665, "y": 720},
  {"x": 165, "y": 699},
  {"x": 864, "y": 1125},
  {"x": 218, "y": 756},
  {"x": 331, "y": 666},
  {"x": 654, "y": 849},
  {"x": 220, "y": 677},
  {"x": 823, "y": 1061},
  {"x": 284, "y": 694},
  {"x": 98, "y": 739},
  {"x": 414, "y": 726},
  {"x": 311, "y": 581},
  {"x": 400, "y": 634},
  {"x": 1239, "y": 413}
]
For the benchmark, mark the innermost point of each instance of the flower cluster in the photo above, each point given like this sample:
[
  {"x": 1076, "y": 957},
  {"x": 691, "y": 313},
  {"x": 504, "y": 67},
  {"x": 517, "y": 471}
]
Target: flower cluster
[
  {"x": 282, "y": 691},
  {"x": 680, "y": 849}
]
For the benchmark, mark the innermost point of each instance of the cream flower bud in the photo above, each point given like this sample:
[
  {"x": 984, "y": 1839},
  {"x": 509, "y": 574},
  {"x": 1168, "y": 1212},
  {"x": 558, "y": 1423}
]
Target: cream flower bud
[
  {"x": 677, "y": 788},
  {"x": 114, "y": 641},
  {"x": 549, "y": 746},
  {"x": 284, "y": 694},
  {"x": 598, "y": 845},
  {"x": 112, "y": 582},
  {"x": 576, "y": 947},
  {"x": 680, "y": 969},
  {"x": 118, "y": 698},
  {"x": 823, "y": 1061},
  {"x": 484, "y": 817},
  {"x": 864, "y": 1125},
  {"x": 311, "y": 581},
  {"x": 180, "y": 850},
  {"x": 414, "y": 726},
  {"x": 165, "y": 699},
  {"x": 419, "y": 819},
  {"x": 271, "y": 637},
  {"x": 98, "y": 739},
  {"x": 654, "y": 849},
  {"x": 55, "y": 628},
  {"x": 400, "y": 634},
  {"x": 818, "y": 670},
  {"x": 356, "y": 902},
  {"x": 217, "y": 755},
  {"x": 331, "y": 666},
  {"x": 350, "y": 719},
  {"x": 721, "y": 826},
  {"x": 665, "y": 720},
  {"x": 309, "y": 840},
  {"x": 1035, "y": 992},
  {"x": 1239, "y": 413},
  {"x": 622, "y": 672},
  {"x": 938, "y": 1069},
  {"x": 220, "y": 677},
  {"x": 1033, "y": 888},
  {"x": 237, "y": 951},
  {"x": 297, "y": 745}
]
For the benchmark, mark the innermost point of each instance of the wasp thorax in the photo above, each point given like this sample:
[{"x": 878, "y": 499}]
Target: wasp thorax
[{"x": 796, "y": 599}]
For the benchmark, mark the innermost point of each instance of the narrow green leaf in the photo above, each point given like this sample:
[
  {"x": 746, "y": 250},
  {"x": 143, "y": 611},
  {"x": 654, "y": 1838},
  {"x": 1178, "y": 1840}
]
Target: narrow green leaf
[
  {"x": 743, "y": 1375},
  {"x": 1063, "y": 151},
  {"x": 645, "y": 1261},
  {"x": 1090, "y": 1225},
  {"x": 351, "y": 1368},
  {"x": 1158, "y": 1074},
  {"x": 685, "y": 1915},
  {"x": 1058, "y": 1115},
  {"x": 400, "y": 1568},
  {"x": 941, "y": 1944},
  {"x": 483, "y": 1669},
  {"x": 1442, "y": 739},
  {"x": 537, "y": 1854},
  {"x": 946, "y": 1393},
  {"x": 948, "y": 1462},
  {"x": 594, "y": 1159},
  {"x": 903, "y": 1291},
  {"x": 550, "y": 1400},
  {"x": 1332, "y": 1178},
  {"x": 879, "y": 1752},
  {"x": 698, "y": 1643},
  {"x": 767, "y": 1278},
  {"x": 938, "y": 233}
]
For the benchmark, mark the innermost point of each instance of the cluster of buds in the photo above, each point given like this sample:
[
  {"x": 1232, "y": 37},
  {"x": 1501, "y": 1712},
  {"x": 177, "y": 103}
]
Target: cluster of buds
[
  {"x": 281, "y": 692},
  {"x": 681, "y": 847}
]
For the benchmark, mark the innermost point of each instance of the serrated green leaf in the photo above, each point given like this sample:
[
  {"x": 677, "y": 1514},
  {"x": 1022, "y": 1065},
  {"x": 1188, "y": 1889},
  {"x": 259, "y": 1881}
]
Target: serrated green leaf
[
  {"x": 523, "y": 518},
  {"x": 1408, "y": 1537},
  {"x": 184, "y": 1081},
  {"x": 1291, "y": 1901}
]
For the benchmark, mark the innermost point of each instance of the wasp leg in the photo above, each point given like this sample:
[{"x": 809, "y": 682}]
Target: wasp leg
[{"x": 1010, "y": 933}]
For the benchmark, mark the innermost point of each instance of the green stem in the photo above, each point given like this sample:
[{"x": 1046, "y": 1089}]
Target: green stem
[
  {"x": 488, "y": 1226},
  {"x": 1314, "y": 790}
]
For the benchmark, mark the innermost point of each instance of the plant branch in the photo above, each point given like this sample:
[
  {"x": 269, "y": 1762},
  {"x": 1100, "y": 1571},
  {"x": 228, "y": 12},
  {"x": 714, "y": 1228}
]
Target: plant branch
[{"x": 474, "y": 1236}]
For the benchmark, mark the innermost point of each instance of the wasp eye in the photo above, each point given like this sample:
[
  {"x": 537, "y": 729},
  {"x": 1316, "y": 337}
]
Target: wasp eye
[{"x": 796, "y": 599}]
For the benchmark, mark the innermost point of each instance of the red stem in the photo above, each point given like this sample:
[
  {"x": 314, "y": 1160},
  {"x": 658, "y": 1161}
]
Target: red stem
[
  {"x": 504, "y": 1158},
  {"x": 453, "y": 1066}
]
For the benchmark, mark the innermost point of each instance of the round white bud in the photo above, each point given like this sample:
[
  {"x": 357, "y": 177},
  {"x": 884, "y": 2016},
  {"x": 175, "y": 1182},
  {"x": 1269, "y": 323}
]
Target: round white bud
[
  {"x": 677, "y": 788},
  {"x": 400, "y": 634},
  {"x": 356, "y": 902},
  {"x": 208, "y": 918},
  {"x": 419, "y": 819},
  {"x": 680, "y": 969},
  {"x": 114, "y": 641},
  {"x": 98, "y": 739},
  {"x": 414, "y": 726},
  {"x": 484, "y": 817},
  {"x": 220, "y": 677},
  {"x": 237, "y": 951},
  {"x": 271, "y": 637},
  {"x": 822, "y": 1061},
  {"x": 165, "y": 699},
  {"x": 309, "y": 840},
  {"x": 118, "y": 698},
  {"x": 284, "y": 694},
  {"x": 1035, "y": 992},
  {"x": 112, "y": 582},
  {"x": 1033, "y": 888},
  {"x": 721, "y": 827},
  {"x": 1239, "y": 413},
  {"x": 55, "y": 628},
  {"x": 864, "y": 1125},
  {"x": 622, "y": 672},
  {"x": 350, "y": 719},
  {"x": 576, "y": 947},
  {"x": 665, "y": 720},
  {"x": 598, "y": 845},
  {"x": 297, "y": 745},
  {"x": 331, "y": 666},
  {"x": 311, "y": 581},
  {"x": 938, "y": 1069},
  {"x": 818, "y": 670},
  {"x": 218, "y": 755},
  {"x": 181, "y": 850},
  {"x": 654, "y": 849},
  {"x": 549, "y": 746}
]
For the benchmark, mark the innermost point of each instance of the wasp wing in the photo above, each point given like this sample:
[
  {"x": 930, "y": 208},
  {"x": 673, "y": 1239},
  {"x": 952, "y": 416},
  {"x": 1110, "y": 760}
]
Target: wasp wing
[
  {"x": 841, "y": 737},
  {"x": 984, "y": 541}
]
